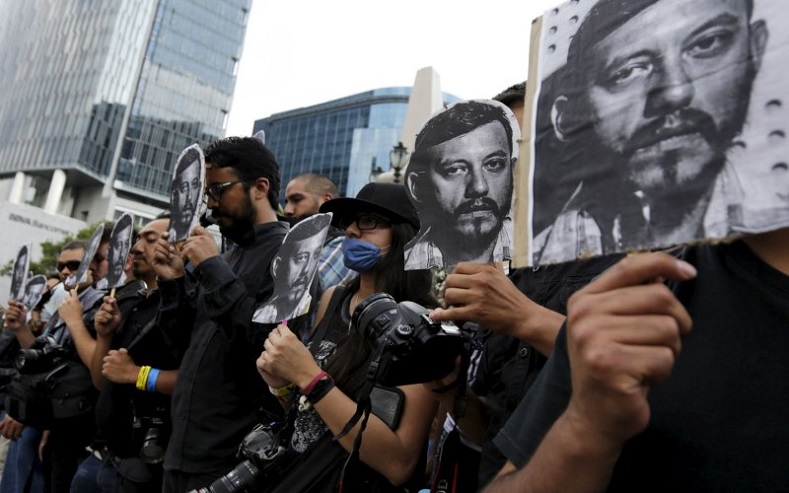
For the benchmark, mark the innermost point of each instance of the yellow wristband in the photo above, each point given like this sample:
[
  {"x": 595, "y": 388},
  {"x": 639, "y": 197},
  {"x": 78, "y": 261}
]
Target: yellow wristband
[
  {"x": 282, "y": 391},
  {"x": 142, "y": 377}
]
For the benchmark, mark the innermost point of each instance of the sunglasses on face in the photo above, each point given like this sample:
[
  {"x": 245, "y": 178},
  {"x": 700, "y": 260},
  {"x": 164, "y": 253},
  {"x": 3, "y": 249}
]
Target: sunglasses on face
[
  {"x": 364, "y": 222},
  {"x": 71, "y": 265},
  {"x": 215, "y": 190}
]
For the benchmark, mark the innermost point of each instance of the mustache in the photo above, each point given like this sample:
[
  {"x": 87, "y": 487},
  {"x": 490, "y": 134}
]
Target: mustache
[
  {"x": 477, "y": 205},
  {"x": 685, "y": 121}
]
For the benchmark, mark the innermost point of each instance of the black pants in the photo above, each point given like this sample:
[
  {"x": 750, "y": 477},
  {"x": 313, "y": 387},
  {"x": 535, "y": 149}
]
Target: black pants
[{"x": 64, "y": 451}]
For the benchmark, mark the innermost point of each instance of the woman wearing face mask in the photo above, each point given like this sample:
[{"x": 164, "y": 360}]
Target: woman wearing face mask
[{"x": 328, "y": 374}]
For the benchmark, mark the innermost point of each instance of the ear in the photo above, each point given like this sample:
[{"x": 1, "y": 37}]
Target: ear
[
  {"x": 759, "y": 36},
  {"x": 559, "y": 117},
  {"x": 275, "y": 266},
  {"x": 260, "y": 188},
  {"x": 414, "y": 184}
]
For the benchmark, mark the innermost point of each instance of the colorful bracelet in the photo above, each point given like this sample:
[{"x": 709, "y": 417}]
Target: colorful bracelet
[
  {"x": 150, "y": 384},
  {"x": 142, "y": 377},
  {"x": 308, "y": 388},
  {"x": 282, "y": 391}
]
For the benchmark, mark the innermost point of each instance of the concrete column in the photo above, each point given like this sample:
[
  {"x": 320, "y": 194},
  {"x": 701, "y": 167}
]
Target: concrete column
[
  {"x": 17, "y": 189},
  {"x": 55, "y": 193}
]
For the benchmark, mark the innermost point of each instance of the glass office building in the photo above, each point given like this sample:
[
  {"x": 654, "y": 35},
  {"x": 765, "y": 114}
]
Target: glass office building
[
  {"x": 100, "y": 97},
  {"x": 347, "y": 139}
]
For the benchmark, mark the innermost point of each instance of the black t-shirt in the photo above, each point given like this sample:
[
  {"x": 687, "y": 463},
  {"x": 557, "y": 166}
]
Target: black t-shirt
[
  {"x": 509, "y": 366},
  {"x": 720, "y": 422}
]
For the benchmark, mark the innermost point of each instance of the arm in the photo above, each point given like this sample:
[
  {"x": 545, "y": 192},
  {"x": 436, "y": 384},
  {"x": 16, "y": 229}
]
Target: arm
[
  {"x": 623, "y": 335},
  {"x": 392, "y": 453},
  {"x": 119, "y": 368},
  {"x": 106, "y": 321},
  {"x": 70, "y": 311},
  {"x": 15, "y": 321},
  {"x": 481, "y": 293}
]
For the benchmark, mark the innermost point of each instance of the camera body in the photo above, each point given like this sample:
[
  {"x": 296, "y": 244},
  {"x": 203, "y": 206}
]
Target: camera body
[
  {"x": 42, "y": 356},
  {"x": 419, "y": 349},
  {"x": 261, "y": 448}
]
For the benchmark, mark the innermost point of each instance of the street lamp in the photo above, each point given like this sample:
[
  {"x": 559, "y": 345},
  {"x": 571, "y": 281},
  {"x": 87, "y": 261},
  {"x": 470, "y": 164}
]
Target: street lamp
[{"x": 398, "y": 158}]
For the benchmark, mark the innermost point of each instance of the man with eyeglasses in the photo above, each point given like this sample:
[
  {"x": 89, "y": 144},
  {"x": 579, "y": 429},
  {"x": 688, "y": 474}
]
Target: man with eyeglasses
[{"x": 218, "y": 392}]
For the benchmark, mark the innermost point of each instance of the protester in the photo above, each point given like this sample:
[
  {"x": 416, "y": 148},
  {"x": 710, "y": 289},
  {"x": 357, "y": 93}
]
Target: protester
[
  {"x": 303, "y": 197},
  {"x": 128, "y": 340},
  {"x": 519, "y": 316},
  {"x": 215, "y": 406},
  {"x": 331, "y": 369}
]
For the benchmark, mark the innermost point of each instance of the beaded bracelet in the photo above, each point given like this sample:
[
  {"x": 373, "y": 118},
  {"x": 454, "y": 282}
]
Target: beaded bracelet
[{"x": 142, "y": 377}]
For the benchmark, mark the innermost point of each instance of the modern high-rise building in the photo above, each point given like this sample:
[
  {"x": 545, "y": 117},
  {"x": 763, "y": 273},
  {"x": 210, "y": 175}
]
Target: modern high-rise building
[
  {"x": 98, "y": 99},
  {"x": 348, "y": 139}
]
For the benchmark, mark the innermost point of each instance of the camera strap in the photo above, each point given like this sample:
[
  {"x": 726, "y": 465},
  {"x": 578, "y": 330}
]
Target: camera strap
[
  {"x": 461, "y": 401},
  {"x": 364, "y": 406}
]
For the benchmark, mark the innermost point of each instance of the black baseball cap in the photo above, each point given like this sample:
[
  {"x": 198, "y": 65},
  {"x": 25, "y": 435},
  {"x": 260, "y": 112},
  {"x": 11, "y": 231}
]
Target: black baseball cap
[{"x": 387, "y": 199}]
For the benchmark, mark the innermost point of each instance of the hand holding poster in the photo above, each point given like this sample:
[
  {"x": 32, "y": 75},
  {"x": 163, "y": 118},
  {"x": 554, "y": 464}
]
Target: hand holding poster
[
  {"x": 19, "y": 275},
  {"x": 187, "y": 193},
  {"x": 654, "y": 123},
  {"x": 460, "y": 180},
  {"x": 293, "y": 270}
]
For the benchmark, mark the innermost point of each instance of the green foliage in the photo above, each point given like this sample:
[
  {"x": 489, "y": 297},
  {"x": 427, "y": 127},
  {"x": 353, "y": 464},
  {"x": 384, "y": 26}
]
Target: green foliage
[{"x": 50, "y": 251}]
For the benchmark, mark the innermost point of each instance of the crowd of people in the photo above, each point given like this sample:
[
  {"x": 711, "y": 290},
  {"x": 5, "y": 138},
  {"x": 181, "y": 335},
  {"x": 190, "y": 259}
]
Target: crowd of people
[{"x": 655, "y": 371}]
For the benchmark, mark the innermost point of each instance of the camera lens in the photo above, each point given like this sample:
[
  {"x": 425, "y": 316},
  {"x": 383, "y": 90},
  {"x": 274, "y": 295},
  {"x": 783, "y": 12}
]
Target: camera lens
[
  {"x": 374, "y": 314},
  {"x": 152, "y": 450},
  {"x": 242, "y": 478}
]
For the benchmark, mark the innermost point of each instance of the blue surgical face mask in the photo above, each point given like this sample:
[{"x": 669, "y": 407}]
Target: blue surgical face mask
[{"x": 359, "y": 255}]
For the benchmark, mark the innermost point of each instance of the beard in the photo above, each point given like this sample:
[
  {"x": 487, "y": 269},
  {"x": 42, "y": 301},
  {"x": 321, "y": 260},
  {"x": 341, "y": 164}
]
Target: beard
[{"x": 238, "y": 224}]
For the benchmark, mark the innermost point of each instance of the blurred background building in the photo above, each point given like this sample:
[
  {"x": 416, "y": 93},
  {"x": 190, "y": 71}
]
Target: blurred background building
[
  {"x": 351, "y": 139},
  {"x": 98, "y": 99}
]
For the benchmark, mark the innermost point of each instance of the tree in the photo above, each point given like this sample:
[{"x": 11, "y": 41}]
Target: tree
[{"x": 50, "y": 251}]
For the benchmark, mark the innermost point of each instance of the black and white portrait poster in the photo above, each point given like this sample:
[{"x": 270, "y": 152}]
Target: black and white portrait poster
[
  {"x": 654, "y": 123},
  {"x": 118, "y": 252},
  {"x": 186, "y": 194},
  {"x": 460, "y": 180},
  {"x": 81, "y": 276},
  {"x": 34, "y": 290},
  {"x": 19, "y": 274},
  {"x": 294, "y": 269}
]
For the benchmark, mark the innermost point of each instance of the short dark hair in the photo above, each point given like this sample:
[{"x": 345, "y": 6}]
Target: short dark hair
[
  {"x": 513, "y": 94},
  {"x": 107, "y": 233},
  {"x": 605, "y": 17},
  {"x": 250, "y": 159},
  {"x": 192, "y": 155},
  {"x": 319, "y": 184},
  {"x": 75, "y": 245},
  {"x": 458, "y": 119}
]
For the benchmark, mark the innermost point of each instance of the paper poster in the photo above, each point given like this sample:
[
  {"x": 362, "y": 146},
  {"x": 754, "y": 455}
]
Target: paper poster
[
  {"x": 654, "y": 123},
  {"x": 187, "y": 193},
  {"x": 118, "y": 252},
  {"x": 34, "y": 290},
  {"x": 81, "y": 276},
  {"x": 294, "y": 269},
  {"x": 19, "y": 275},
  {"x": 460, "y": 180}
]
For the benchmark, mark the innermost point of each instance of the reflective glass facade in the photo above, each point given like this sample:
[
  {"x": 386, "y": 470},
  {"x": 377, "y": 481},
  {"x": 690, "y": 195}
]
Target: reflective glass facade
[
  {"x": 346, "y": 139},
  {"x": 114, "y": 90}
]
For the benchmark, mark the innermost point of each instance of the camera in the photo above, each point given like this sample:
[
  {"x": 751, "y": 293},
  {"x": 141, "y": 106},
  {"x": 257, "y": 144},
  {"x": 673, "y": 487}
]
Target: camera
[
  {"x": 44, "y": 354},
  {"x": 419, "y": 349},
  {"x": 260, "y": 448}
]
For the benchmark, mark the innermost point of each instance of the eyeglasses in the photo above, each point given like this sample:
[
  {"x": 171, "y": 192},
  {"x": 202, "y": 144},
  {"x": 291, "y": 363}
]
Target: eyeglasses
[
  {"x": 215, "y": 190},
  {"x": 363, "y": 222},
  {"x": 71, "y": 265}
]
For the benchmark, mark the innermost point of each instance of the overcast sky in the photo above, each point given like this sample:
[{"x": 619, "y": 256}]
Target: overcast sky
[{"x": 300, "y": 53}]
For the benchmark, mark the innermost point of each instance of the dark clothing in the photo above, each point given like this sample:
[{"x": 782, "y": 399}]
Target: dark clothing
[
  {"x": 509, "y": 366},
  {"x": 219, "y": 389},
  {"x": 719, "y": 422}
]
